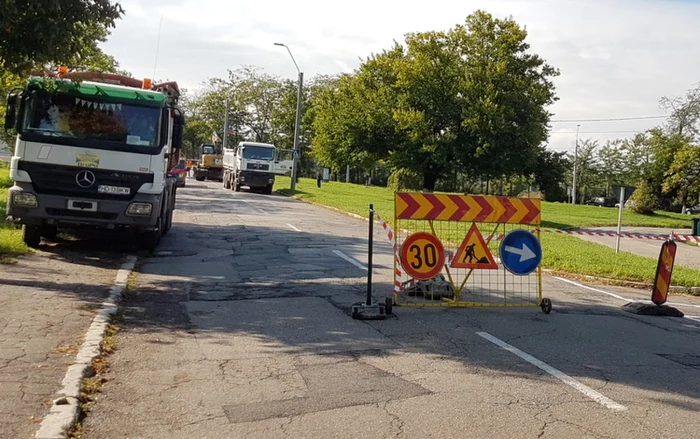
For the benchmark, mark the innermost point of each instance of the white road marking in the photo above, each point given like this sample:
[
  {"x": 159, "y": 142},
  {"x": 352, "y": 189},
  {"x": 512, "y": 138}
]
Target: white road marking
[
  {"x": 566, "y": 379},
  {"x": 349, "y": 259},
  {"x": 293, "y": 228},
  {"x": 624, "y": 299},
  {"x": 262, "y": 211}
]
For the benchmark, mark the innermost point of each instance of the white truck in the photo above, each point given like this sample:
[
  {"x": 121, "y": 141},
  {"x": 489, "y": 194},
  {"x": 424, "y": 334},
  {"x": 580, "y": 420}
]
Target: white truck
[
  {"x": 93, "y": 150},
  {"x": 255, "y": 165}
]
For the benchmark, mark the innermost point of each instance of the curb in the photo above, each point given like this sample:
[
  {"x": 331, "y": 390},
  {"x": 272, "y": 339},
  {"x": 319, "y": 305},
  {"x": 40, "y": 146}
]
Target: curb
[{"x": 65, "y": 409}]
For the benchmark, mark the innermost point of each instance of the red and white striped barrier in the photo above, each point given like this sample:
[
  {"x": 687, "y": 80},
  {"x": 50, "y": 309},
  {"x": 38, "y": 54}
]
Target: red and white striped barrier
[{"x": 392, "y": 238}]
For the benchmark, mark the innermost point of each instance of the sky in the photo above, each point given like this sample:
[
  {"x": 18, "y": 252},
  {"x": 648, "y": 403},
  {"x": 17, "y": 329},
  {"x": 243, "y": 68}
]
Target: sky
[{"x": 616, "y": 57}]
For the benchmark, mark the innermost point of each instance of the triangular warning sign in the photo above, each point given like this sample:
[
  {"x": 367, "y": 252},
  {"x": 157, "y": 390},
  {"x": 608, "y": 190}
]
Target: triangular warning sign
[{"x": 474, "y": 253}]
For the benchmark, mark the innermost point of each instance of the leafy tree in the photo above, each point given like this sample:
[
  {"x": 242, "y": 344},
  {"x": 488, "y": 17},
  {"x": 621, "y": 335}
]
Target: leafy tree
[
  {"x": 685, "y": 113},
  {"x": 48, "y": 31},
  {"x": 644, "y": 198},
  {"x": 611, "y": 166},
  {"x": 471, "y": 99},
  {"x": 683, "y": 176},
  {"x": 549, "y": 172},
  {"x": 586, "y": 169}
]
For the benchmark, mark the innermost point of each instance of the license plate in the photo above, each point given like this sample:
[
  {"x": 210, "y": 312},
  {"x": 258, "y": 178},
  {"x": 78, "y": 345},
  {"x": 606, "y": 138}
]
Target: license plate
[{"x": 113, "y": 190}]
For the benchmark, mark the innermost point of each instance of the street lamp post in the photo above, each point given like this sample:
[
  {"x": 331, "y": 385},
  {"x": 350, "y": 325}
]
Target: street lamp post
[
  {"x": 573, "y": 189},
  {"x": 297, "y": 123}
]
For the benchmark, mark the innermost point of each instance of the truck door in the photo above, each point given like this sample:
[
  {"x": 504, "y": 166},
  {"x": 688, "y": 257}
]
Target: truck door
[{"x": 284, "y": 160}]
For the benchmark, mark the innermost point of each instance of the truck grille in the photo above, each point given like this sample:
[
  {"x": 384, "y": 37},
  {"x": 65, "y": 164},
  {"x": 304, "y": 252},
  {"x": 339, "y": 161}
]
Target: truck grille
[
  {"x": 61, "y": 180},
  {"x": 258, "y": 166}
]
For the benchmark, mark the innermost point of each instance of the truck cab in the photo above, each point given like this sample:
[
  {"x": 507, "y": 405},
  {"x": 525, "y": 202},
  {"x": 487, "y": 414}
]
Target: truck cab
[
  {"x": 250, "y": 164},
  {"x": 93, "y": 150}
]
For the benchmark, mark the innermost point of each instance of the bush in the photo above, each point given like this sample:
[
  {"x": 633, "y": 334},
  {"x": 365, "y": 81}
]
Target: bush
[
  {"x": 405, "y": 179},
  {"x": 644, "y": 199}
]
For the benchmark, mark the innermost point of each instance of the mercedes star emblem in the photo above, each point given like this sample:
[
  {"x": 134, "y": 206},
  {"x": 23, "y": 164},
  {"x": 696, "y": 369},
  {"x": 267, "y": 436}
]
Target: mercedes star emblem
[{"x": 85, "y": 179}]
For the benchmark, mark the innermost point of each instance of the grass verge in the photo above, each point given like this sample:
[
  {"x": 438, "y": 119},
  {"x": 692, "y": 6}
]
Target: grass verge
[
  {"x": 11, "y": 244},
  {"x": 564, "y": 254}
]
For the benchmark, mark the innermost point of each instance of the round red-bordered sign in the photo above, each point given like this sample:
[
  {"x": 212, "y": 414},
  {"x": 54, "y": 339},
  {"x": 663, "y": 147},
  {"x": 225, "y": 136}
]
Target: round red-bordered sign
[{"x": 422, "y": 256}]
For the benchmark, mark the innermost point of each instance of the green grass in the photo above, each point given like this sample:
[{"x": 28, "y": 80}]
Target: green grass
[
  {"x": 562, "y": 253},
  {"x": 10, "y": 237}
]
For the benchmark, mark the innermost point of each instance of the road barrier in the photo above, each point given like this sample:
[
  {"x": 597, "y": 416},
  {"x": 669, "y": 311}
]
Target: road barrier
[{"x": 446, "y": 251}]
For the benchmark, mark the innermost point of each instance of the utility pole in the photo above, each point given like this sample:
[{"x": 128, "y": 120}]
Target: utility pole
[
  {"x": 573, "y": 189},
  {"x": 297, "y": 123},
  {"x": 223, "y": 141}
]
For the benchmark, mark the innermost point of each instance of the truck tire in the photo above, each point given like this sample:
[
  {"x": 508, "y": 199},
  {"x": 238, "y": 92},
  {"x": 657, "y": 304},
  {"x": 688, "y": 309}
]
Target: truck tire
[
  {"x": 236, "y": 186},
  {"x": 150, "y": 239},
  {"x": 31, "y": 235},
  {"x": 227, "y": 181},
  {"x": 49, "y": 231},
  {"x": 268, "y": 189}
]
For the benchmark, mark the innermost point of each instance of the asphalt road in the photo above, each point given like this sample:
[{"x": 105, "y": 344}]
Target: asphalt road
[{"x": 239, "y": 328}]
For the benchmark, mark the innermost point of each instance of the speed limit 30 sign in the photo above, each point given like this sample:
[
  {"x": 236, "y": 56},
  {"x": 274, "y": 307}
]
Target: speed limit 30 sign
[{"x": 422, "y": 256}]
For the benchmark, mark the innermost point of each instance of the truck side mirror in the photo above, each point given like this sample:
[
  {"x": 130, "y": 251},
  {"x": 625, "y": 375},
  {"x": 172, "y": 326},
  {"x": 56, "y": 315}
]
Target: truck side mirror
[
  {"x": 11, "y": 112},
  {"x": 177, "y": 136}
]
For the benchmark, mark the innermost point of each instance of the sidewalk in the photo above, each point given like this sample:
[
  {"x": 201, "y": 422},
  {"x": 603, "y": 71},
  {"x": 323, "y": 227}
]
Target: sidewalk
[{"x": 47, "y": 302}]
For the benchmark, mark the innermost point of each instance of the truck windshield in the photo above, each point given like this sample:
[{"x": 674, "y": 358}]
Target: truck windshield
[
  {"x": 69, "y": 117},
  {"x": 258, "y": 153}
]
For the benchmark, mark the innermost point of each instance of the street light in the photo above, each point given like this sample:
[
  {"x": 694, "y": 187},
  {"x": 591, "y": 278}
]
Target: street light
[
  {"x": 298, "y": 119},
  {"x": 573, "y": 189}
]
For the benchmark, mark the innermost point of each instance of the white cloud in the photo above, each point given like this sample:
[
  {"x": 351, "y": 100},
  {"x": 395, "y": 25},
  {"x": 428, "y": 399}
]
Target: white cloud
[{"x": 616, "y": 57}]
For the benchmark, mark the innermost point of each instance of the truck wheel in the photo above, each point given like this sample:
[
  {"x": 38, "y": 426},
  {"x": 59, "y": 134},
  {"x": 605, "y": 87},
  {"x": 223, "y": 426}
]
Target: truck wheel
[
  {"x": 49, "y": 232},
  {"x": 31, "y": 235},
  {"x": 236, "y": 186},
  {"x": 149, "y": 240},
  {"x": 268, "y": 189},
  {"x": 227, "y": 182}
]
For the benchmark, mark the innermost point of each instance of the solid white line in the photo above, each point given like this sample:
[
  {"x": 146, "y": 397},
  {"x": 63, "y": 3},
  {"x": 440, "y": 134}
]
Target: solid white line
[
  {"x": 293, "y": 228},
  {"x": 349, "y": 259},
  {"x": 64, "y": 412},
  {"x": 566, "y": 379},
  {"x": 598, "y": 290}
]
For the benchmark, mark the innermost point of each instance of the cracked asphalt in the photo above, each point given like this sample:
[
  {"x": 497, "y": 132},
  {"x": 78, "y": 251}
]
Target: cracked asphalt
[
  {"x": 239, "y": 328},
  {"x": 47, "y": 302}
]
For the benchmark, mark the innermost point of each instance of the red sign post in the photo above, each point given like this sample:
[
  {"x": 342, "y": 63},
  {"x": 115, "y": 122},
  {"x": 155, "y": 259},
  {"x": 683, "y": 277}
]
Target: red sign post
[{"x": 664, "y": 269}]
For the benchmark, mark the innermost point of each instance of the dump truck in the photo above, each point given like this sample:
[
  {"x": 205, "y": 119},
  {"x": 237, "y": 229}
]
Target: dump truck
[
  {"x": 93, "y": 150},
  {"x": 253, "y": 164},
  {"x": 210, "y": 166}
]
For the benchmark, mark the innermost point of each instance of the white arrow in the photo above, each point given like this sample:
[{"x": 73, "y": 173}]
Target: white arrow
[{"x": 525, "y": 252}]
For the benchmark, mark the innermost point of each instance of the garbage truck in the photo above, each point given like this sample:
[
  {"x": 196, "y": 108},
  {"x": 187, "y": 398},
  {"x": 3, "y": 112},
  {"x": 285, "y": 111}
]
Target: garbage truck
[{"x": 93, "y": 150}]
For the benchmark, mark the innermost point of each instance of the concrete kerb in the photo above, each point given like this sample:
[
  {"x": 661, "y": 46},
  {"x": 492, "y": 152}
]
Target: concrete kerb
[{"x": 66, "y": 409}]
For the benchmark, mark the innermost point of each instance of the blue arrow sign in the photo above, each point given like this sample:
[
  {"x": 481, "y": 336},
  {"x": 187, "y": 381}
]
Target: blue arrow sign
[{"x": 521, "y": 252}]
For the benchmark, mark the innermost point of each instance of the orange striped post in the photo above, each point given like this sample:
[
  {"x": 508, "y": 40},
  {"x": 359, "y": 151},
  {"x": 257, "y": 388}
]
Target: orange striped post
[{"x": 664, "y": 269}]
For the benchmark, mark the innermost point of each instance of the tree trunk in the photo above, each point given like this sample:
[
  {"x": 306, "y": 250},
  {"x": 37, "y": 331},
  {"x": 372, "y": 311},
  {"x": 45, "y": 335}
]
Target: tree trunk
[{"x": 429, "y": 181}]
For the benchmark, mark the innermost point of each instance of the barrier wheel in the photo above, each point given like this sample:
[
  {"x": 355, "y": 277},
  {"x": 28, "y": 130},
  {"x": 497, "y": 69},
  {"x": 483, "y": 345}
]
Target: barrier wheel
[
  {"x": 388, "y": 305},
  {"x": 546, "y": 305}
]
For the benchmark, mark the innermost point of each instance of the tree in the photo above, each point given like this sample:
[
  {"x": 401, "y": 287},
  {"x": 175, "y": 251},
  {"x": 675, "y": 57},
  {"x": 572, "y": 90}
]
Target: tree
[
  {"x": 611, "y": 166},
  {"x": 683, "y": 176},
  {"x": 471, "y": 100},
  {"x": 586, "y": 168},
  {"x": 549, "y": 172},
  {"x": 685, "y": 113},
  {"x": 48, "y": 31}
]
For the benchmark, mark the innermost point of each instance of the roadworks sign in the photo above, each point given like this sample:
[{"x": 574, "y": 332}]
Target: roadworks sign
[{"x": 474, "y": 252}]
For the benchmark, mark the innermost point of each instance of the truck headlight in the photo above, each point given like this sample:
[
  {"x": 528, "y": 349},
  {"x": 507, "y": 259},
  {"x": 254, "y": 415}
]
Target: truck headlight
[
  {"x": 139, "y": 209},
  {"x": 24, "y": 199}
]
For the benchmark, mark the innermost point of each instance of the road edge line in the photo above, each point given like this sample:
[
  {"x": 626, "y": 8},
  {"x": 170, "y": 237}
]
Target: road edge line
[
  {"x": 65, "y": 409},
  {"x": 350, "y": 259},
  {"x": 566, "y": 379}
]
